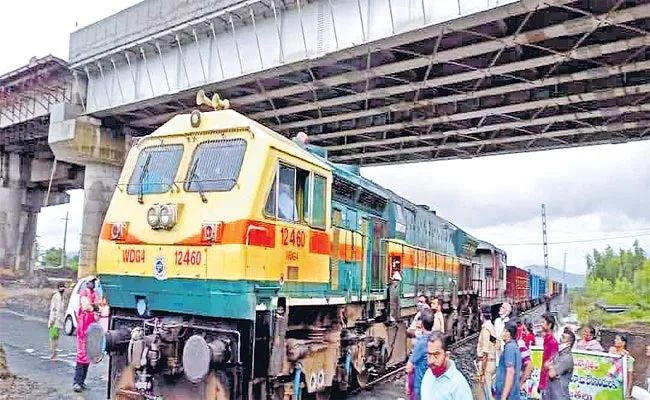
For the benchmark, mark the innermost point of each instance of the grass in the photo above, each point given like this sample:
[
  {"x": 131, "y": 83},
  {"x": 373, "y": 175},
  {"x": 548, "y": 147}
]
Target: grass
[{"x": 588, "y": 312}]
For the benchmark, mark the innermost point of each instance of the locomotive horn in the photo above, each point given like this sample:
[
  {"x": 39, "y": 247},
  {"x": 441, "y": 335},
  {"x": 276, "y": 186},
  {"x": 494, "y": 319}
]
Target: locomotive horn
[{"x": 215, "y": 102}]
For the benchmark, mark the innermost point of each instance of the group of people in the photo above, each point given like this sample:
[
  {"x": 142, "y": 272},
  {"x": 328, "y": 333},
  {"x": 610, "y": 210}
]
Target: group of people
[
  {"x": 88, "y": 313},
  {"x": 503, "y": 357},
  {"x": 431, "y": 373},
  {"x": 504, "y": 349}
]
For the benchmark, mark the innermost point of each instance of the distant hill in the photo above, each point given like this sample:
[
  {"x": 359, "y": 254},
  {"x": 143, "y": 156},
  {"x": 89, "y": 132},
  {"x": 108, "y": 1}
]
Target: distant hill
[{"x": 572, "y": 280}]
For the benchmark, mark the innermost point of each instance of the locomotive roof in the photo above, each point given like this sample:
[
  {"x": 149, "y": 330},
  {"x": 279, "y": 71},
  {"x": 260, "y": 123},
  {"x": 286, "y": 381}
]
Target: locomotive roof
[{"x": 228, "y": 120}]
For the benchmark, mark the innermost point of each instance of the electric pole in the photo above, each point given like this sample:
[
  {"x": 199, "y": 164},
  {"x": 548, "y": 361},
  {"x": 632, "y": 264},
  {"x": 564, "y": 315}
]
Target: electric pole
[
  {"x": 564, "y": 276},
  {"x": 65, "y": 235},
  {"x": 545, "y": 242}
]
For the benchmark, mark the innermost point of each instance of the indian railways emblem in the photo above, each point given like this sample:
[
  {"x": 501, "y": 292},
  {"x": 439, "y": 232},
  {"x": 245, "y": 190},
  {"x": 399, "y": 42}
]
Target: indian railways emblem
[{"x": 159, "y": 268}]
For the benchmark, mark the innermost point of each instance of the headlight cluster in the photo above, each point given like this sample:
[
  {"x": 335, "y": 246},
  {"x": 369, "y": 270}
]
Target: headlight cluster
[{"x": 162, "y": 216}]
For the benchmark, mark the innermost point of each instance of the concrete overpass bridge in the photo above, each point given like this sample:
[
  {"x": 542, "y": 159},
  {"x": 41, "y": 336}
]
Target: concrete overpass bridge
[{"x": 373, "y": 81}]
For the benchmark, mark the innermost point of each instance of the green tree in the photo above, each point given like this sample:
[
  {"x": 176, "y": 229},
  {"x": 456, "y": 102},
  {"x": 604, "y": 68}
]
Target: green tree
[
  {"x": 52, "y": 257},
  {"x": 621, "y": 277},
  {"x": 73, "y": 263},
  {"x": 611, "y": 266}
]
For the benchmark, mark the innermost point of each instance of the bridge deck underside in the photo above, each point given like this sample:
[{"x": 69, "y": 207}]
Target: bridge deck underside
[{"x": 573, "y": 73}]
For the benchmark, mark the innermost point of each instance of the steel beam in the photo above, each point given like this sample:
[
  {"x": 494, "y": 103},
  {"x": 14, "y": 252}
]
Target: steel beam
[
  {"x": 423, "y": 158},
  {"x": 531, "y": 105},
  {"x": 515, "y": 125},
  {"x": 583, "y": 53},
  {"x": 496, "y": 141},
  {"x": 590, "y": 74}
]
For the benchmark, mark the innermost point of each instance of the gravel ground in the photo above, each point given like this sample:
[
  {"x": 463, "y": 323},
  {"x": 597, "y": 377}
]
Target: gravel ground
[
  {"x": 22, "y": 299},
  {"x": 13, "y": 387}
]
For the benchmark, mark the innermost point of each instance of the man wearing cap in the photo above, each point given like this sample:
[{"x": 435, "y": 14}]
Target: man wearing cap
[
  {"x": 57, "y": 315},
  {"x": 486, "y": 355},
  {"x": 86, "y": 315}
]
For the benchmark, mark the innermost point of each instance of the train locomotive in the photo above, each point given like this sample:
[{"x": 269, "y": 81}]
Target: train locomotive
[{"x": 241, "y": 264}]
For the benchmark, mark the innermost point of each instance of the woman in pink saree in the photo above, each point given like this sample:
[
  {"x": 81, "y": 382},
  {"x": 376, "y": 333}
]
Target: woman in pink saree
[{"x": 86, "y": 315}]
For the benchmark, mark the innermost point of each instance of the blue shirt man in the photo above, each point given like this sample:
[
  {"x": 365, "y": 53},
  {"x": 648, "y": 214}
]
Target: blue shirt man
[
  {"x": 509, "y": 364},
  {"x": 418, "y": 360}
]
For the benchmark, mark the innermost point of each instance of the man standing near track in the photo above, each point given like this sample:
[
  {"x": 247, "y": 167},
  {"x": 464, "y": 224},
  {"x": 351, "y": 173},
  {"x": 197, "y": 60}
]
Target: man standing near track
[
  {"x": 509, "y": 369},
  {"x": 499, "y": 324},
  {"x": 551, "y": 347},
  {"x": 486, "y": 353},
  {"x": 442, "y": 380},
  {"x": 417, "y": 364},
  {"x": 438, "y": 318}
]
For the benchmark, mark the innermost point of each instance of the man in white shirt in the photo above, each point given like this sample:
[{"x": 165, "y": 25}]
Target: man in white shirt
[
  {"x": 499, "y": 325},
  {"x": 57, "y": 316},
  {"x": 442, "y": 381}
]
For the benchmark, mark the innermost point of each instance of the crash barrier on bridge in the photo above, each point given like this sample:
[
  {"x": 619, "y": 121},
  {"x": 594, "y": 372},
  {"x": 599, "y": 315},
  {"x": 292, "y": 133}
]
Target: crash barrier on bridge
[{"x": 596, "y": 375}]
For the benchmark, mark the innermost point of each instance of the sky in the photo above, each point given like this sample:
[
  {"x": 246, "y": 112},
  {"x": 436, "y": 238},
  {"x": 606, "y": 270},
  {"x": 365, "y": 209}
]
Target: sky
[{"x": 594, "y": 195}]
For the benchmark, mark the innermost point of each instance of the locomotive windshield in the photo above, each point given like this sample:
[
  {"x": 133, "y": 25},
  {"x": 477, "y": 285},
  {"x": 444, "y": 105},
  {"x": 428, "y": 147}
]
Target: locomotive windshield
[
  {"x": 215, "y": 166},
  {"x": 155, "y": 169}
]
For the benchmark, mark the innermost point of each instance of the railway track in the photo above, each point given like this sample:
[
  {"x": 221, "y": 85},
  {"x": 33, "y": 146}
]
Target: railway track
[{"x": 397, "y": 371}]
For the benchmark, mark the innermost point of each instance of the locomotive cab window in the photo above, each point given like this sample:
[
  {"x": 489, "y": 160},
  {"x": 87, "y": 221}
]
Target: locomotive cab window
[
  {"x": 320, "y": 199},
  {"x": 155, "y": 169},
  {"x": 215, "y": 166},
  {"x": 297, "y": 195}
]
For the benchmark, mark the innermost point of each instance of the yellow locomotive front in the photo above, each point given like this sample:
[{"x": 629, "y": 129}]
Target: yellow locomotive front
[{"x": 196, "y": 245}]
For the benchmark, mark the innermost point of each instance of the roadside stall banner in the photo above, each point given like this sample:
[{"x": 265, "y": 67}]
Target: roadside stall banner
[{"x": 596, "y": 375}]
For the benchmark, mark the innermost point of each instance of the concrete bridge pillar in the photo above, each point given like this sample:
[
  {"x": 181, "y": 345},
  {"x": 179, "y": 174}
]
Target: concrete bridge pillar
[
  {"x": 84, "y": 141},
  {"x": 99, "y": 184},
  {"x": 19, "y": 208},
  {"x": 12, "y": 194}
]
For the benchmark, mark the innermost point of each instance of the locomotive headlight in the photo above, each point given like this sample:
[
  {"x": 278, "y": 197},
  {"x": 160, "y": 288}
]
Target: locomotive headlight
[
  {"x": 168, "y": 216},
  {"x": 195, "y": 118},
  {"x": 153, "y": 217}
]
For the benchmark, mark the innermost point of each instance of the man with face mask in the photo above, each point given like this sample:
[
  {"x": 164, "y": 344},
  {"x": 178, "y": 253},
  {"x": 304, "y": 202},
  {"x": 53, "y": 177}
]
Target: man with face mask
[
  {"x": 560, "y": 368},
  {"x": 57, "y": 315},
  {"x": 442, "y": 381},
  {"x": 86, "y": 315}
]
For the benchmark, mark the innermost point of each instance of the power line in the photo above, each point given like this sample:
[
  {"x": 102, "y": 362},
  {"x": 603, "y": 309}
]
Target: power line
[{"x": 578, "y": 241}]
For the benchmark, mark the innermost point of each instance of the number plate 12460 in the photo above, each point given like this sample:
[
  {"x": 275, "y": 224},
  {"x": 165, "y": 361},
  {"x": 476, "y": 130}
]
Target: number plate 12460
[
  {"x": 188, "y": 257},
  {"x": 292, "y": 237}
]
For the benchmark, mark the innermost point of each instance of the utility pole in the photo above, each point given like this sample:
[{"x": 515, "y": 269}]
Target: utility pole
[
  {"x": 545, "y": 242},
  {"x": 65, "y": 235},
  {"x": 564, "y": 277}
]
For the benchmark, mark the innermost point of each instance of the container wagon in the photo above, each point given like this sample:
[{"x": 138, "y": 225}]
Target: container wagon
[{"x": 518, "y": 287}]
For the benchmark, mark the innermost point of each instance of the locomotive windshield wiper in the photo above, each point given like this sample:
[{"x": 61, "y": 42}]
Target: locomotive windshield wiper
[
  {"x": 193, "y": 175},
  {"x": 145, "y": 169}
]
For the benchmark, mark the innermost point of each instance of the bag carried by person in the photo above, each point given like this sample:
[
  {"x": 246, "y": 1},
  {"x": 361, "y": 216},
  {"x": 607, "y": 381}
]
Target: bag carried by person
[{"x": 54, "y": 332}]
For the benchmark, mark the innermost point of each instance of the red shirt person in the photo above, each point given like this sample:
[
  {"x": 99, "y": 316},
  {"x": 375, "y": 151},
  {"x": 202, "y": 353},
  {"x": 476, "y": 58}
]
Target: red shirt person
[
  {"x": 529, "y": 336},
  {"x": 551, "y": 348}
]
